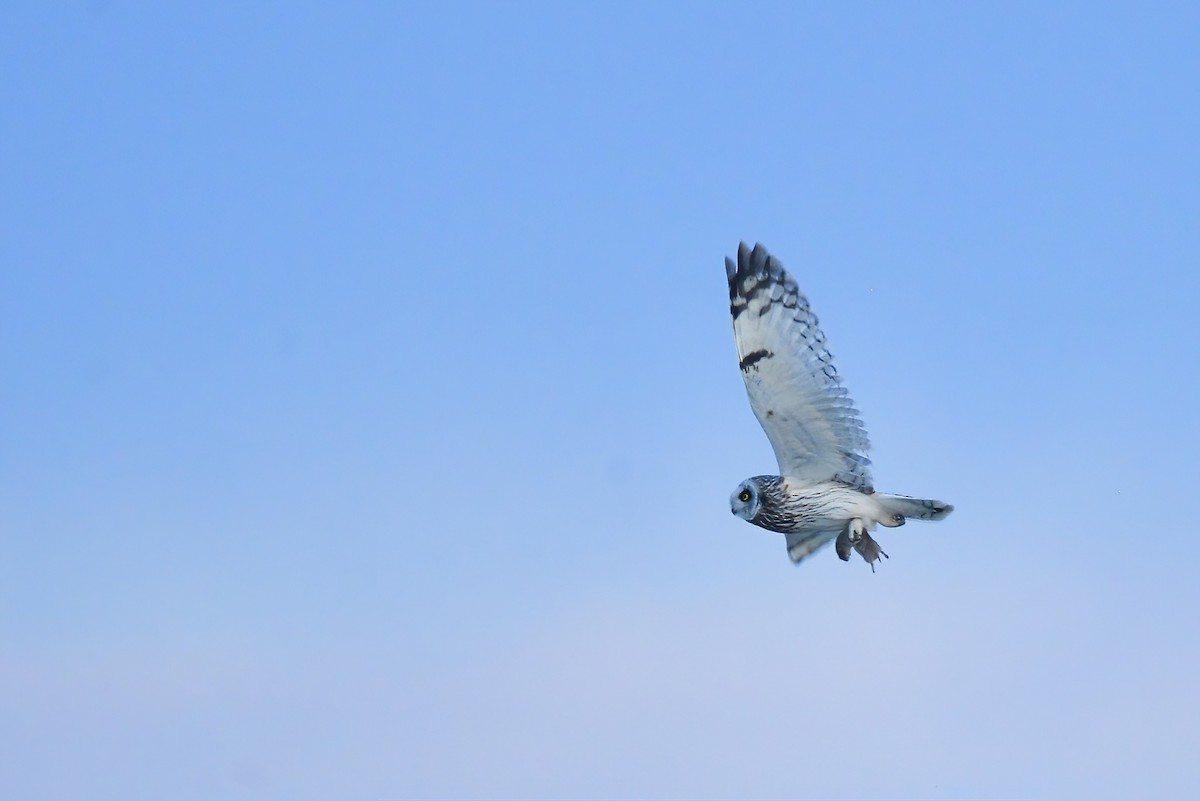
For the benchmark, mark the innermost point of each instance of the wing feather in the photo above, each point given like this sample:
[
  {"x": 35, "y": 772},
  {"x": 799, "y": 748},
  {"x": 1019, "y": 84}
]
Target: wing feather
[
  {"x": 794, "y": 388},
  {"x": 806, "y": 542}
]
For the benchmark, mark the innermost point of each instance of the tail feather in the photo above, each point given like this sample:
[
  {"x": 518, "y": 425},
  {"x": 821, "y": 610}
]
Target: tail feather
[{"x": 916, "y": 508}]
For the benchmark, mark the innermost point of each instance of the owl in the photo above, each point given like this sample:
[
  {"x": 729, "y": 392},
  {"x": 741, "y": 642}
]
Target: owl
[{"x": 823, "y": 492}]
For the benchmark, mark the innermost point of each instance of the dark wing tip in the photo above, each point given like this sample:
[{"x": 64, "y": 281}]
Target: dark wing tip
[
  {"x": 752, "y": 261},
  {"x": 756, "y": 269}
]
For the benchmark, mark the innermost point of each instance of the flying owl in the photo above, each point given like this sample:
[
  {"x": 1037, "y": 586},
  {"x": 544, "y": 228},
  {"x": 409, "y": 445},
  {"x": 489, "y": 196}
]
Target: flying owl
[{"x": 824, "y": 489}]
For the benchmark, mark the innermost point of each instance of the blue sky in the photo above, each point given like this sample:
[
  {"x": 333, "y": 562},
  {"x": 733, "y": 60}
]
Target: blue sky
[{"x": 370, "y": 410}]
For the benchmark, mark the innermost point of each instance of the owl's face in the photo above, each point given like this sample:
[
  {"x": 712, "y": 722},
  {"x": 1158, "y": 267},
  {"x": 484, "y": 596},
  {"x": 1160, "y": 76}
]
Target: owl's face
[{"x": 746, "y": 500}]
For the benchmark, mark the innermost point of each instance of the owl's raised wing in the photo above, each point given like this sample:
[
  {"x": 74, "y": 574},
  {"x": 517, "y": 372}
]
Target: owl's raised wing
[{"x": 793, "y": 386}]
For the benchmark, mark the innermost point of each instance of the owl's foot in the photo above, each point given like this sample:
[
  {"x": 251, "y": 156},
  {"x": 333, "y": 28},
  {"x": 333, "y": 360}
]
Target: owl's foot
[{"x": 856, "y": 538}]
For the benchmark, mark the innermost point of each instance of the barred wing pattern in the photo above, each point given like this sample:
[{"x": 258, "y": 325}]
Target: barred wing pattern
[{"x": 793, "y": 386}]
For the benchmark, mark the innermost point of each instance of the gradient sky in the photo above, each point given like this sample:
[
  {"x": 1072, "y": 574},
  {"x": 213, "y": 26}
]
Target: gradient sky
[{"x": 369, "y": 407}]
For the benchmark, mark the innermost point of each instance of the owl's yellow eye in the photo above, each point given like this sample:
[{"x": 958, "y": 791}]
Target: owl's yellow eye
[{"x": 744, "y": 496}]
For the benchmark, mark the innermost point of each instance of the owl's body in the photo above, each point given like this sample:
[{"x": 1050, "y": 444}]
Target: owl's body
[
  {"x": 824, "y": 490},
  {"x": 792, "y": 506}
]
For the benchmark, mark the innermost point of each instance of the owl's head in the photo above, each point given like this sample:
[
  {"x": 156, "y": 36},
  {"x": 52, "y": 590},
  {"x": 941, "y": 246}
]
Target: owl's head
[{"x": 746, "y": 500}]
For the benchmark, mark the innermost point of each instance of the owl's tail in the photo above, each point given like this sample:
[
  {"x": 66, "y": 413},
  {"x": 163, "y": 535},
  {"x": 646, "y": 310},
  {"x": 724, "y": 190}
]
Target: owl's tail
[{"x": 900, "y": 507}]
